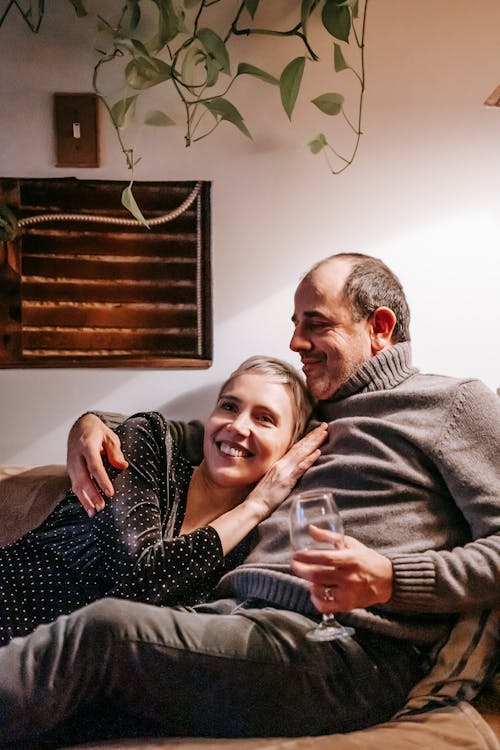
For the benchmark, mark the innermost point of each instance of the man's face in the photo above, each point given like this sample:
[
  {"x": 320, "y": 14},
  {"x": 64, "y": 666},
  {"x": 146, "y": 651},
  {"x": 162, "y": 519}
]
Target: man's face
[{"x": 331, "y": 345}]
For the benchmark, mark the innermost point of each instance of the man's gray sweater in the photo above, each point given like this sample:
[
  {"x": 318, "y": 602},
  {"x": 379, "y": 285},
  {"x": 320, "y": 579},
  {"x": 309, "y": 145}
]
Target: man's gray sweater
[{"x": 413, "y": 461}]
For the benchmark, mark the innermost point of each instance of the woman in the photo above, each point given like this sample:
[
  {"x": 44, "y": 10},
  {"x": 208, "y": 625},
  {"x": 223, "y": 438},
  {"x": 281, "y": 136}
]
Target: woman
[{"x": 171, "y": 529}]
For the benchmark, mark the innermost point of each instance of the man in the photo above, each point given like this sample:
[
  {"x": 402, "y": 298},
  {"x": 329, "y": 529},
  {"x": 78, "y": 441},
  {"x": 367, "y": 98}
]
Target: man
[{"x": 413, "y": 462}]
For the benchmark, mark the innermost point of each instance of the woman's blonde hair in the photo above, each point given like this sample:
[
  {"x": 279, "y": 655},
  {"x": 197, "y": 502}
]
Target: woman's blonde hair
[{"x": 279, "y": 372}]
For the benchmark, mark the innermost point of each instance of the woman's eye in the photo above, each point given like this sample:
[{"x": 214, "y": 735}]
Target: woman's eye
[
  {"x": 227, "y": 406},
  {"x": 266, "y": 418}
]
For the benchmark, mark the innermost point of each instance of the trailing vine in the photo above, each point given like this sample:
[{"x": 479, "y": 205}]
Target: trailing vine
[{"x": 195, "y": 58}]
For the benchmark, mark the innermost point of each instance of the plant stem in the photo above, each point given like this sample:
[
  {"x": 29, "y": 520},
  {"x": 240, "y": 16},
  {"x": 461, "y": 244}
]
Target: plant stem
[
  {"x": 361, "y": 78},
  {"x": 273, "y": 32},
  {"x": 127, "y": 152},
  {"x": 35, "y": 27}
]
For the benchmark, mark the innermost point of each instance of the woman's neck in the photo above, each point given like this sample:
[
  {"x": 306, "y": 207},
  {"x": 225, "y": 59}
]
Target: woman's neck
[{"x": 207, "y": 500}]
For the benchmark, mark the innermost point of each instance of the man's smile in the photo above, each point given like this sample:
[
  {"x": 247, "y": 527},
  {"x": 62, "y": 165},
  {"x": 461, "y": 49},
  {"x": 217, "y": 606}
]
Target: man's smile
[{"x": 308, "y": 363}]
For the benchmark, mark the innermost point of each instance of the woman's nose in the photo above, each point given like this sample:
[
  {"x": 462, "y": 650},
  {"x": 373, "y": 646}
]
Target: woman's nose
[{"x": 240, "y": 424}]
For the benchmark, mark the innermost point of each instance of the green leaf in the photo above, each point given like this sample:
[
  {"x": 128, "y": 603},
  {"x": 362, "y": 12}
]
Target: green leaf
[
  {"x": 123, "y": 110},
  {"x": 252, "y": 70},
  {"x": 305, "y": 12},
  {"x": 171, "y": 21},
  {"x": 251, "y": 6},
  {"x": 130, "y": 204},
  {"x": 157, "y": 118},
  {"x": 193, "y": 57},
  {"x": 9, "y": 228},
  {"x": 79, "y": 8},
  {"x": 336, "y": 20},
  {"x": 317, "y": 144},
  {"x": 134, "y": 46},
  {"x": 290, "y": 81},
  {"x": 143, "y": 73},
  {"x": 330, "y": 104},
  {"x": 212, "y": 69},
  {"x": 222, "y": 109},
  {"x": 131, "y": 16},
  {"x": 338, "y": 58},
  {"x": 215, "y": 47}
]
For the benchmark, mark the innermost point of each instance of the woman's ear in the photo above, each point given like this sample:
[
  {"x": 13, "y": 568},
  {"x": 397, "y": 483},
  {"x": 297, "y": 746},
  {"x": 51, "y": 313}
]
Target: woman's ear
[{"x": 382, "y": 323}]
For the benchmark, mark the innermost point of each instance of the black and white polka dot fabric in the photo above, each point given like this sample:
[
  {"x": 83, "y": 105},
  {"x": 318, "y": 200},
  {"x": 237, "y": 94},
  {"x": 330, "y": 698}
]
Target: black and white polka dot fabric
[{"x": 131, "y": 549}]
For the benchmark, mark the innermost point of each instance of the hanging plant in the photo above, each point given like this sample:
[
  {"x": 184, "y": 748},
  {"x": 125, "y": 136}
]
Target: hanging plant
[{"x": 196, "y": 60}]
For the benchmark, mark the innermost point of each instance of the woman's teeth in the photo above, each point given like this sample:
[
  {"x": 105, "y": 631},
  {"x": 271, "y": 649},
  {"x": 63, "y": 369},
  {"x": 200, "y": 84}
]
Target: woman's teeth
[{"x": 230, "y": 450}]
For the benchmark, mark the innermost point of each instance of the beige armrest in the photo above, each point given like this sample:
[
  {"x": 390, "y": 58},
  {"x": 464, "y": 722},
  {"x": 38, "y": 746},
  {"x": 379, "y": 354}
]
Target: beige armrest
[{"x": 27, "y": 497}]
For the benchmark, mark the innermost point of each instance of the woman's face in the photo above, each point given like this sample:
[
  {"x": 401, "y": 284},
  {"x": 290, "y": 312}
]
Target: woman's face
[{"x": 248, "y": 431}]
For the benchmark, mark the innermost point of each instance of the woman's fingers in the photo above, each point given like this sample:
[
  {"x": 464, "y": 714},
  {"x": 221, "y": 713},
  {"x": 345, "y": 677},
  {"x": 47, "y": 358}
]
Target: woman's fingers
[{"x": 303, "y": 454}]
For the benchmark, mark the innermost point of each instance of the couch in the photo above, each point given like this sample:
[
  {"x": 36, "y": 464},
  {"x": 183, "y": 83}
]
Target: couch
[{"x": 446, "y": 723}]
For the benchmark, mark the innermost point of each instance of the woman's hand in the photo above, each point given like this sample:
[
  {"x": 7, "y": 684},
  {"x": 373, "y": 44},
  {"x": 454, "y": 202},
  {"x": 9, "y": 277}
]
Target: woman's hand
[
  {"x": 281, "y": 478},
  {"x": 88, "y": 439}
]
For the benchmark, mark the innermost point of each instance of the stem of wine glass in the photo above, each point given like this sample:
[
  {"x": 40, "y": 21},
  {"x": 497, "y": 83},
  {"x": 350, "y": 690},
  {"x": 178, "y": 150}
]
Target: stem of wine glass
[{"x": 329, "y": 620}]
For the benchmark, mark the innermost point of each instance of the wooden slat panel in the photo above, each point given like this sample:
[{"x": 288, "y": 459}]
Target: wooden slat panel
[
  {"x": 93, "y": 196},
  {"x": 83, "y": 338},
  {"x": 103, "y": 294},
  {"x": 105, "y": 316},
  {"x": 161, "y": 245},
  {"x": 133, "y": 270},
  {"x": 106, "y": 359},
  {"x": 80, "y": 291}
]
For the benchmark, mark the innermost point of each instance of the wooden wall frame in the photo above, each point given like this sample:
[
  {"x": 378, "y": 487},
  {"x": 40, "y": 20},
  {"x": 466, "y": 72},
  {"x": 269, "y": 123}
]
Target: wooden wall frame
[{"x": 85, "y": 285}]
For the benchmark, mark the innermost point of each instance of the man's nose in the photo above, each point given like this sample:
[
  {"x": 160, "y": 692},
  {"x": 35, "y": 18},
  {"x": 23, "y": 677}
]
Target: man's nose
[{"x": 299, "y": 342}]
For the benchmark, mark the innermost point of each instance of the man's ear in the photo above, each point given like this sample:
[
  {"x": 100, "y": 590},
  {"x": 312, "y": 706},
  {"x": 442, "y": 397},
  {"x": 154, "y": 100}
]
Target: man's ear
[{"x": 382, "y": 323}]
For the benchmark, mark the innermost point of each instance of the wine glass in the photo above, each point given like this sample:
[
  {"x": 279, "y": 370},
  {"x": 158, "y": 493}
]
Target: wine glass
[{"x": 318, "y": 508}]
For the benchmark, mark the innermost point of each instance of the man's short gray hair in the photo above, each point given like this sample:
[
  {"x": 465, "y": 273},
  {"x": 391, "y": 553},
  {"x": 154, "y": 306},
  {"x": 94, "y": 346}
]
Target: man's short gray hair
[{"x": 369, "y": 285}]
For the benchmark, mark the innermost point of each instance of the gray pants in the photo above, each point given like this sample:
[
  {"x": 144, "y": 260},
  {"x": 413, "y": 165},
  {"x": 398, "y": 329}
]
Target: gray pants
[{"x": 224, "y": 669}]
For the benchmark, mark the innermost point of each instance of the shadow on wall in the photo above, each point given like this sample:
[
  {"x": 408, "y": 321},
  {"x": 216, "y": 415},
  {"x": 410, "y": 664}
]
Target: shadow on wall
[
  {"x": 195, "y": 404},
  {"x": 32, "y": 413}
]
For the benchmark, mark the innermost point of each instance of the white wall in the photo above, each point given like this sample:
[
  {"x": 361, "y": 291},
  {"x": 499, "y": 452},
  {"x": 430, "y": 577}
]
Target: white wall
[{"x": 423, "y": 194}]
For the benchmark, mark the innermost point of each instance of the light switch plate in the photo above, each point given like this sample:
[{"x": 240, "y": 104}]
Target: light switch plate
[{"x": 76, "y": 130}]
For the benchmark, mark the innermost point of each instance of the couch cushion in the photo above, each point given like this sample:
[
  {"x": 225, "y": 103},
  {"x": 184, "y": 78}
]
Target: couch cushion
[
  {"x": 28, "y": 496},
  {"x": 458, "y": 726}
]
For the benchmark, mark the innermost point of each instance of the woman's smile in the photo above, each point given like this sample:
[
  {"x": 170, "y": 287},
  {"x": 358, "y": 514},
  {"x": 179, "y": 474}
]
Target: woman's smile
[
  {"x": 248, "y": 431},
  {"x": 233, "y": 450}
]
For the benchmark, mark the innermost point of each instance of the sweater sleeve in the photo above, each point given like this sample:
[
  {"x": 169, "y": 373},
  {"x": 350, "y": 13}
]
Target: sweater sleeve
[
  {"x": 187, "y": 435},
  {"x": 467, "y": 455},
  {"x": 110, "y": 418}
]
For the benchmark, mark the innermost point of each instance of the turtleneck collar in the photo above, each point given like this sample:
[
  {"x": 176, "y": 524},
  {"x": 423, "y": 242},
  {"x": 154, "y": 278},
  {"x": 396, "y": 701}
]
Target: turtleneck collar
[{"x": 384, "y": 371}]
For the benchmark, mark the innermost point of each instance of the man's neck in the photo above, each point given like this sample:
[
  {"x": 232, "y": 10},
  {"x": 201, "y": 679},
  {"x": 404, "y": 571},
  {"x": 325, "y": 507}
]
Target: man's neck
[{"x": 384, "y": 370}]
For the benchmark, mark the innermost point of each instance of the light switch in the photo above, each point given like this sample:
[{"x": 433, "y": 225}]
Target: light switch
[{"x": 76, "y": 130}]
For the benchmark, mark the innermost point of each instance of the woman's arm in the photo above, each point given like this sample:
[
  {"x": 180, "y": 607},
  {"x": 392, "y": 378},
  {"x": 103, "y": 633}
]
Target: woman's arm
[
  {"x": 93, "y": 437},
  {"x": 138, "y": 559},
  {"x": 139, "y": 555}
]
